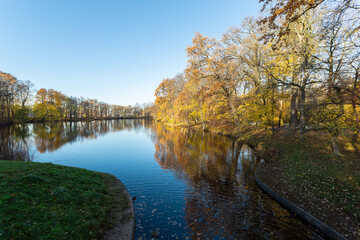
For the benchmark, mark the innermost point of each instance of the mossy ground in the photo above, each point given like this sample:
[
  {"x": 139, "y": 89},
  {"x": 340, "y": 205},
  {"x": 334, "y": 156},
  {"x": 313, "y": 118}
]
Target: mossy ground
[{"x": 47, "y": 201}]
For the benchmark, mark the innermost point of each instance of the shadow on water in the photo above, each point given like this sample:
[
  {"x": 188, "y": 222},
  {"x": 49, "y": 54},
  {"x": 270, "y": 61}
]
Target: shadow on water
[{"x": 197, "y": 185}]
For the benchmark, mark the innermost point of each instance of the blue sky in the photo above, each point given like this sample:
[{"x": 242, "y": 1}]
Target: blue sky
[{"x": 115, "y": 51}]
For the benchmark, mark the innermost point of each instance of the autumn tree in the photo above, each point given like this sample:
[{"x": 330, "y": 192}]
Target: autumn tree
[
  {"x": 214, "y": 71},
  {"x": 257, "y": 90},
  {"x": 71, "y": 107},
  {"x": 186, "y": 105},
  {"x": 14, "y": 95},
  {"x": 44, "y": 107},
  {"x": 166, "y": 94},
  {"x": 337, "y": 58},
  {"x": 290, "y": 11},
  {"x": 24, "y": 92},
  {"x": 8, "y": 89}
]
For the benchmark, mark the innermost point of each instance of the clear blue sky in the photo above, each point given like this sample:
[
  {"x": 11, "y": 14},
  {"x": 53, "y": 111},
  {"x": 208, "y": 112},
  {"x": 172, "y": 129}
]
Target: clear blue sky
[{"x": 115, "y": 51}]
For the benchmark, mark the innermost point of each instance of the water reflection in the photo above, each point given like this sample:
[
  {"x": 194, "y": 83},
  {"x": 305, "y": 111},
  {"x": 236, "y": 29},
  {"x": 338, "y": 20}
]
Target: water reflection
[
  {"x": 223, "y": 199},
  {"x": 14, "y": 143},
  {"x": 17, "y": 141},
  {"x": 189, "y": 184}
]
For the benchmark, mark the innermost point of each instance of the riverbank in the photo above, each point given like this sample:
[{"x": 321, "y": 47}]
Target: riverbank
[
  {"x": 307, "y": 173},
  {"x": 44, "y": 200}
]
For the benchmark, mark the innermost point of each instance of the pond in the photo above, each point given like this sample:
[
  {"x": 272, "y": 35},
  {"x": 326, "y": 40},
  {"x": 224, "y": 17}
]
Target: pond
[{"x": 188, "y": 184}]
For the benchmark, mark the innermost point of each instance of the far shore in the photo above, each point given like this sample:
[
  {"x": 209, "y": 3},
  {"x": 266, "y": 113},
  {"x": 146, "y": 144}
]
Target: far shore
[{"x": 11, "y": 122}]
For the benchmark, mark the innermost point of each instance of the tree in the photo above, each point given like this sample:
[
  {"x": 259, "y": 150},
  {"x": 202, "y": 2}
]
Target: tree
[
  {"x": 71, "y": 107},
  {"x": 44, "y": 107},
  {"x": 8, "y": 88},
  {"x": 214, "y": 71},
  {"x": 166, "y": 93},
  {"x": 24, "y": 91},
  {"x": 258, "y": 89},
  {"x": 337, "y": 56},
  {"x": 290, "y": 11}
]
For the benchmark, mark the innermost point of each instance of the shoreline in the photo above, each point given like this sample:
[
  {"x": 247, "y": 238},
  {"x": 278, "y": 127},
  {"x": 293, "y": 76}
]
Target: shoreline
[
  {"x": 53, "y": 200},
  {"x": 124, "y": 227}
]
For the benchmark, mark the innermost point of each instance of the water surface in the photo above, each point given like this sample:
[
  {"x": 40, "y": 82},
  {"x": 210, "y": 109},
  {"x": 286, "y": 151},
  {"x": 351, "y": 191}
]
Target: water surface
[{"x": 188, "y": 184}]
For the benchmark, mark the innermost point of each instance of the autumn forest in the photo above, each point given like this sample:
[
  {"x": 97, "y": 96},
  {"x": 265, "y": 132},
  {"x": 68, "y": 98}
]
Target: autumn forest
[
  {"x": 18, "y": 103},
  {"x": 299, "y": 68}
]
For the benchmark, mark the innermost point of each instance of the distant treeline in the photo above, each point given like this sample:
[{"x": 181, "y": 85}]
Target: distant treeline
[
  {"x": 298, "y": 67},
  {"x": 19, "y": 103}
]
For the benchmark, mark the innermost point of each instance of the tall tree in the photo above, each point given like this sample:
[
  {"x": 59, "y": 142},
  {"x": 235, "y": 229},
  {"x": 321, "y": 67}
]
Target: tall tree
[{"x": 214, "y": 70}]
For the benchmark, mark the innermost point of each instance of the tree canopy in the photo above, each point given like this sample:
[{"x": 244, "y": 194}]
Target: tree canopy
[{"x": 298, "y": 67}]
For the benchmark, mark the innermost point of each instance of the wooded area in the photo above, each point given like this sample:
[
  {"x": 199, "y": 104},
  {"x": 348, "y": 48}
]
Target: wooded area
[
  {"x": 298, "y": 67},
  {"x": 19, "y": 103}
]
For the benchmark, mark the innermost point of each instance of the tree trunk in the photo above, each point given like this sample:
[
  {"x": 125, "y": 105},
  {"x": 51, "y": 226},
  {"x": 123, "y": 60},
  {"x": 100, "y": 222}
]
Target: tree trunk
[
  {"x": 8, "y": 110},
  {"x": 356, "y": 129},
  {"x": 233, "y": 111},
  {"x": 202, "y": 117},
  {"x": 232, "y": 107},
  {"x": 335, "y": 146},
  {"x": 302, "y": 111},
  {"x": 272, "y": 110},
  {"x": 354, "y": 142},
  {"x": 293, "y": 110},
  {"x": 280, "y": 114}
]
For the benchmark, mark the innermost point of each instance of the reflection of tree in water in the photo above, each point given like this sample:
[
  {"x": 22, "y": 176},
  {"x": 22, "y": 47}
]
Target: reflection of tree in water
[
  {"x": 16, "y": 140},
  {"x": 190, "y": 152},
  {"x": 52, "y": 136},
  {"x": 223, "y": 198},
  {"x": 14, "y": 143}
]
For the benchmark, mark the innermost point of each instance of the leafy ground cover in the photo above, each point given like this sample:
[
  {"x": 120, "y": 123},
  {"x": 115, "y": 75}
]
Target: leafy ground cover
[
  {"x": 308, "y": 174},
  {"x": 47, "y": 201}
]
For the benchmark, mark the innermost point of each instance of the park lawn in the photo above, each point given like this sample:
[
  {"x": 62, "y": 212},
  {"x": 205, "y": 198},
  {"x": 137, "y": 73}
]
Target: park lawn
[{"x": 48, "y": 201}]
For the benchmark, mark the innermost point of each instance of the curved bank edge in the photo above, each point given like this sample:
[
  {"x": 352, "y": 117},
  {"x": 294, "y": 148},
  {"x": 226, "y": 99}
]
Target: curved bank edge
[
  {"x": 116, "y": 233},
  {"x": 324, "y": 229}
]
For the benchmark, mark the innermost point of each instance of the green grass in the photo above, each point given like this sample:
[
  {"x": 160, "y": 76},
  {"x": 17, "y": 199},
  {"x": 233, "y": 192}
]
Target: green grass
[
  {"x": 335, "y": 178},
  {"x": 47, "y": 201}
]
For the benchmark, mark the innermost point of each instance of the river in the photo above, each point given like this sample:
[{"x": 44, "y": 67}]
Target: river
[{"x": 188, "y": 184}]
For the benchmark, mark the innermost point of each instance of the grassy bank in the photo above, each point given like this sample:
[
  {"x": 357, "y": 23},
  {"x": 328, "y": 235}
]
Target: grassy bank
[
  {"x": 310, "y": 165},
  {"x": 47, "y": 201},
  {"x": 307, "y": 173}
]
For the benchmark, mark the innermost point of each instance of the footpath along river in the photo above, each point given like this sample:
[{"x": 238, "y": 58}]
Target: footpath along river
[{"x": 188, "y": 184}]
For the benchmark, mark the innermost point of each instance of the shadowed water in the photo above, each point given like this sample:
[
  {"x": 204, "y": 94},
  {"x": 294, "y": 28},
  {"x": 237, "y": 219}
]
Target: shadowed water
[{"x": 188, "y": 184}]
